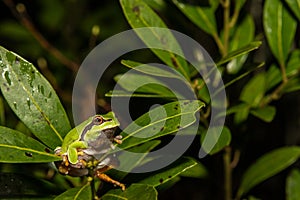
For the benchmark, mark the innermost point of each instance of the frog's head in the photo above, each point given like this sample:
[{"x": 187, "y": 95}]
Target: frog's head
[{"x": 98, "y": 124}]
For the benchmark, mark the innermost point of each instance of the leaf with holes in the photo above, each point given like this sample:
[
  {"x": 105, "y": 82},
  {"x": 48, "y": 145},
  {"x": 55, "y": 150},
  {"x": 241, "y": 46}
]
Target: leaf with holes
[
  {"x": 32, "y": 99},
  {"x": 15, "y": 147},
  {"x": 167, "y": 174},
  {"x": 161, "y": 121}
]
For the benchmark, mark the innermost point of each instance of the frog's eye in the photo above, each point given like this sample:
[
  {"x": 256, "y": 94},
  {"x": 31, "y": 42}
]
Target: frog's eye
[{"x": 98, "y": 120}]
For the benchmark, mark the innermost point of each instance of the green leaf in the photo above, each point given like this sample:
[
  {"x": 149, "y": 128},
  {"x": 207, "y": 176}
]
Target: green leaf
[
  {"x": 197, "y": 171},
  {"x": 130, "y": 161},
  {"x": 154, "y": 74},
  {"x": 254, "y": 90},
  {"x": 273, "y": 75},
  {"x": 293, "y": 185},
  {"x": 203, "y": 17},
  {"x": 160, "y": 121},
  {"x": 166, "y": 174},
  {"x": 152, "y": 70},
  {"x": 280, "y": 29},
  {"x": 222, "y": 141},
  {"x": 235, "y": 109},
  {"x": 243, "y": 35},
  {"x": 2, "y": 112},
  {"x": 138, "y": 15},
  {"x": 239, "y": 52},
  {"x": 77, "y": 193},
  {"x": 32, "y": 99},
  {"x": 239, "y": 4},
  {"x": 295, "y": 7},
  {"x": 15, "y": 147},
  {"x": 122, "y": 93},
  {"x": 293, "y": 66},
  {"x": 266, "y": 114},
  {"x": 136, "y": 83},
  {"x": 292, "y": 85},
  {"x": 242, "y": 115},
  {"x": 267, "y": 166},
  {"x": 135, "y": 191}
]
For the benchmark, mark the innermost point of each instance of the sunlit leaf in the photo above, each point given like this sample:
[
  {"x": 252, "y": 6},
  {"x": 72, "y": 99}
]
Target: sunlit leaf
[
  {"x": 267, "y": 166},
  {"x": 32, "y": 99},
  {"x": 15, "y": 147}
]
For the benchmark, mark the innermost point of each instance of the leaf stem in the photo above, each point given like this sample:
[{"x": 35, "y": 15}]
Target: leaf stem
[
  {"x": 283, "y": 73},
  {"x": 275, "y": 95},
  {"x": 226, "y": 16},
  {"x": 235, "y": 16},
  {"x": 227, "y": 173}
]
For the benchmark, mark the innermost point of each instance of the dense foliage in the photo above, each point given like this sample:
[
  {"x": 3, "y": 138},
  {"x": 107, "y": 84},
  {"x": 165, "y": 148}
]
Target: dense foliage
[{"x": 255, "y": 47}]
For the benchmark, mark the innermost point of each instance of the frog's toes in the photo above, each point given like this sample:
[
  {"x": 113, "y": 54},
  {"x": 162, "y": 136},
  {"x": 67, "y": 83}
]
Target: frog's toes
[
  {"x": 57, "y": 151},
  {"x": 118, "y": 139}
]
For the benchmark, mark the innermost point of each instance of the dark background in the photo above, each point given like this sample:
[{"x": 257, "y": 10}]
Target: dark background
[{"x": 67, "y": 26}]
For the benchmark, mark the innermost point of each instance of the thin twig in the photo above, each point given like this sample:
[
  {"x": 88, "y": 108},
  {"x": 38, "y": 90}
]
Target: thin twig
[
  {"x": 227, "y": 173},
  {"x": 226, "y": 6},
  {"x": 19, "y": 11}
]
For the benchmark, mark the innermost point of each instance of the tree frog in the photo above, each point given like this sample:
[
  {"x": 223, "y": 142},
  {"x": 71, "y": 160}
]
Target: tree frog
[{"x": 84, "y": 148}]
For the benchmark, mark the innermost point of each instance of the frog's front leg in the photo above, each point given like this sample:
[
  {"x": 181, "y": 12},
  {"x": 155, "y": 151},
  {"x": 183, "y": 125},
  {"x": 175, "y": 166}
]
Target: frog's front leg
[{"x": 72, "y": 151}]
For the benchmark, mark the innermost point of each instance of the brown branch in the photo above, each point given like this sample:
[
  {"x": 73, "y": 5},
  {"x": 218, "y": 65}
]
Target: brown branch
[{"x": 19, "y": 11}]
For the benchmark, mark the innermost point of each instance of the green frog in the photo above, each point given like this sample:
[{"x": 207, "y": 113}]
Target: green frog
[{"x": 84, "y": 149}]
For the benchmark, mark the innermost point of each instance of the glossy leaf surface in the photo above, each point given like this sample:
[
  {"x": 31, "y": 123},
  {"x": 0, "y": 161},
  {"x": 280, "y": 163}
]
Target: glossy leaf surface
[
  {"x": 280, "y": 29},
  {"x": 162, "y": 176},
  {"x": 139, "y": 15},
  {"x": 160, "y": 121},
  {"x": 15, "y": 147},
  {"x": 78, "y": 193},
  {"x": 295, "y": 7},
  {"x": 203, "y": 17},
  {"x": 32, "y": 99}
]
